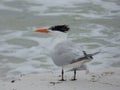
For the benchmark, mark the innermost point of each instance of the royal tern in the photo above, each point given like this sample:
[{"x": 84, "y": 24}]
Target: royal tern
[{"x": 65, "y": 52}]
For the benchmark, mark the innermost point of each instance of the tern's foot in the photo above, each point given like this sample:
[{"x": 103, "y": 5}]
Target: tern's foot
[
  {"x": 73, "y": 79},
  {"x": 62, "y": 80}
]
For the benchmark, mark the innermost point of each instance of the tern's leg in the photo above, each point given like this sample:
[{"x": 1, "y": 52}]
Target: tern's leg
[
  {"x": 62, "y": 79},
  {"x": 87, "y": 71},
  {"x": 74, "y": 78}
]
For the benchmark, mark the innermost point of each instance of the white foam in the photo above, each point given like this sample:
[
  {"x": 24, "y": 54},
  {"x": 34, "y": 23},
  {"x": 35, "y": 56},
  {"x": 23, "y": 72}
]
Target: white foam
[
  {"x": 27, "y": 69},
  {"x": 46, "y": 4},
  {"x": 65, "y": 3},
  {"x": 4, "y": 7},
  {"x": 7, "y": 0},
  {"x": 107, "y": 4},
  {"x": 44, "y": 8}
]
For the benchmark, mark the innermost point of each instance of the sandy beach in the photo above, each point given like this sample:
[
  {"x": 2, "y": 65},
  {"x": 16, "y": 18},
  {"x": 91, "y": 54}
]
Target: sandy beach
[{"x": 108, "y": 79}]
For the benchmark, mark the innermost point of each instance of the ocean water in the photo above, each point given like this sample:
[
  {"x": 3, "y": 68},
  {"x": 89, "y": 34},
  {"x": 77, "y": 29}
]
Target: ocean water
[{"x": 95, "y": 24}]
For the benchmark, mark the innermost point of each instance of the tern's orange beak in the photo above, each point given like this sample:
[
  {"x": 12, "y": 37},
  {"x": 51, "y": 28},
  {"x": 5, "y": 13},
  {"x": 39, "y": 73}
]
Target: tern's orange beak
[{"x": 43, "y": 30}]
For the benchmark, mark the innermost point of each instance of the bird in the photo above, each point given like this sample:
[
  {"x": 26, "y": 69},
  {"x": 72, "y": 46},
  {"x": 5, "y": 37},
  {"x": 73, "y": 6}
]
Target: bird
[{"x": 66, "y": 53}]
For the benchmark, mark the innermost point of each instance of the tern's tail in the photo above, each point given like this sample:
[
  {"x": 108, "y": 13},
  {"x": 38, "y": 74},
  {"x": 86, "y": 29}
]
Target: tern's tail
[
  {"x": 86, "y": 56},
  {"x": 90, "y": 56},
  {"x": 95, "y": 53}
]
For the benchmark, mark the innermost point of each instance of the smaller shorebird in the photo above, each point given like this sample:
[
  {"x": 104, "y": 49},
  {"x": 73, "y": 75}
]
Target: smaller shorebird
[{"x": 65, "y": 52}]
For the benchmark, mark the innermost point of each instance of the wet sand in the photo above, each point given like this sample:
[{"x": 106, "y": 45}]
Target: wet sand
[{"x": 107, "y": 79}]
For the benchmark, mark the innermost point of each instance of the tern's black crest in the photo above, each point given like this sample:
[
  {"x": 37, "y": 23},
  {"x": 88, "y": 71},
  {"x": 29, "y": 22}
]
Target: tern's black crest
[{"x": 61, "y": 28}]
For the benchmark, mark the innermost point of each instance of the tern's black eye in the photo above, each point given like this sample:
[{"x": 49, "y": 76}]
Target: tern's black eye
[{"x": 61, "y": 28}]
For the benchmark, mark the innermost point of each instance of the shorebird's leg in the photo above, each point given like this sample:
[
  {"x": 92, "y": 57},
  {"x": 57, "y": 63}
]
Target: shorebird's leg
[
  {"x": 62, "y": 79},
  {"x": 74, "y": 78},
  {"x": 87, "y": 71}
]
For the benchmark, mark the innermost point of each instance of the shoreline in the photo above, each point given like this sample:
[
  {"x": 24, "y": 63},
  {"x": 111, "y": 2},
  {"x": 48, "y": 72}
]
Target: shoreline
[{"x": 107, "y": 79}]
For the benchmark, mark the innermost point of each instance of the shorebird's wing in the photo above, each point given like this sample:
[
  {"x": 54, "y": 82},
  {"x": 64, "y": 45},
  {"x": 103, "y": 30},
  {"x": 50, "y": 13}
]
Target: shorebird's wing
[{"x": 65, "y": 52}]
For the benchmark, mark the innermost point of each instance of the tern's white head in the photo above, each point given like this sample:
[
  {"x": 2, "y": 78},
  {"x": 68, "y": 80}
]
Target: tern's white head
[
  {"x": 58, "y": 33},
  {"x": 57, "y": 28}
]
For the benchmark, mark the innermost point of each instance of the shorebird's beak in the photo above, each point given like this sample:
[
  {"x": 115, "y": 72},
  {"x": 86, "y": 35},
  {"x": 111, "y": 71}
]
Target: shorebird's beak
[{"x": 43, "y": 30}]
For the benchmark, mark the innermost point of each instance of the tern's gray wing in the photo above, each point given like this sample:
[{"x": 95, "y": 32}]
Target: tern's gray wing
[{"x": 65, "y": 52}]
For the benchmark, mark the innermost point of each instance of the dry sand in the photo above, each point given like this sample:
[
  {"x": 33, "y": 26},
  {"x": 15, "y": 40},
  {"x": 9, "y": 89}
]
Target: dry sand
[{"x": 108, "y": 79}]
